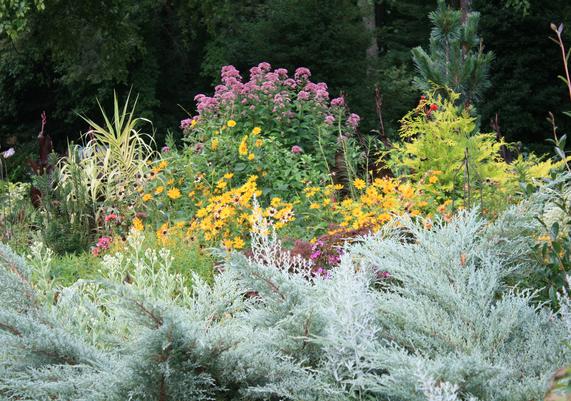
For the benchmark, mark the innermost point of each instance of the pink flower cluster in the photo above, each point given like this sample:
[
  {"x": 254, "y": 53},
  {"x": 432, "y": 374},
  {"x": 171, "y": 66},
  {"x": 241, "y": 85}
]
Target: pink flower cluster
[
  {"x": 296, "y": 149},
  {"x": 274, "y": 90},
  {"x": 186, "y": 123},
  {"x": 112, "y": 217},
  {"x": 353, "y": 120},
  {"x": 322, "y": 273},
  {"x": 324, "y": 253},
  {"x": 103, "y": 244}
]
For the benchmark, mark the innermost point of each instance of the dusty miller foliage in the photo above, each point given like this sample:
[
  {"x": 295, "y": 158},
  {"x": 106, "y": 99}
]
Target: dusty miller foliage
[{"x": 444, "y": 326}]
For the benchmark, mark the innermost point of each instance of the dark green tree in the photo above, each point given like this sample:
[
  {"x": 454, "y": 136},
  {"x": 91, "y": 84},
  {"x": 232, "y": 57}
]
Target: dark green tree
[
  {"x": 61, "y": 56},
  {"x": 401, "y": 26},
  {"x": 525, "y": 70},
  {"x": 456, "y": 58}
]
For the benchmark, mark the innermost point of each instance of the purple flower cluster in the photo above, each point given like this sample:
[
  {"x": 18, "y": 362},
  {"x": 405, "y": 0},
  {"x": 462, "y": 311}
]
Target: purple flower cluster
[
  {"x": 325, "y": 255},
  {"x": 322, "y": 273},
  {"x": 266, "y": 90}
]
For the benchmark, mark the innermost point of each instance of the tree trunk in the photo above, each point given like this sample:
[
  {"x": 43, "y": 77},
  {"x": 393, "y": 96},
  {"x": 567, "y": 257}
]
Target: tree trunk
[
  {"x": 368, "y": 11},
  {"x": 465, "y": 7}
]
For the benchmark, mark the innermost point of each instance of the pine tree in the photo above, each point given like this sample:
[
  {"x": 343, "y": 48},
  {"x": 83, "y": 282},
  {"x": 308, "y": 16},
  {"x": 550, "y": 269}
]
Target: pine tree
[{"x": 456, "y": 58}]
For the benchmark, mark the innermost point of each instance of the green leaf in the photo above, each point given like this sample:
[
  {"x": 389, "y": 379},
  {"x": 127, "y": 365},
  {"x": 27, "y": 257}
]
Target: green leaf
[{"x": 554, "y": 231}]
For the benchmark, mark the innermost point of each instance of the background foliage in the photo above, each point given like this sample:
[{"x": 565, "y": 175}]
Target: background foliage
[{"x": 58, "y": 55}]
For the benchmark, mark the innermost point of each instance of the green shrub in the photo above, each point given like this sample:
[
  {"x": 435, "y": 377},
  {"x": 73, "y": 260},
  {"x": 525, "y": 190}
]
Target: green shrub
[
  {"x": 440, "y": 137},
  {"x": 17, "y": 215}
]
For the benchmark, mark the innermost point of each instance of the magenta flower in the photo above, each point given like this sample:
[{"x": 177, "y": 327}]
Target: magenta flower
[
  {"x": 303, "y": 95},
  {"x": 186, "y": 123},
  {"x": 229, "y": 71},
  {"x": 321, "y": 272},
  {"x": 264, "y": 66},
  {"x": 315, "y": 255},
  {"x": 334, "y": 260},
  {"x": 302, "y": 73},
  {"x": 279, "y": 99},
  {"x": 295, "y": 149},
  {"x": 383, "y": 275},
  {"x": 322, "y": 94},
  {"x": 255, "y": 72},
  {"x": 228, "y": 96},
  {"x": 329, "y": 119},
  {"x": 338, "y": 101},
  {"x": 206, "y": 103},
  {"x": 104, "y": 242},
  {"x": 165, "y": 149},
  {"x": 272, "y": 77},
  {"x": 290, "y": 83},
  {"x": 282, "y": 72},
  {"x": 268, "y": 86},
  {"x": 353, "y": 120}
]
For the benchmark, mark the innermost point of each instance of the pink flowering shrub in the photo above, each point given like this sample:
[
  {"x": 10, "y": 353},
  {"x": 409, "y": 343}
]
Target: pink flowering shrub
[{"x": 292, "y": 109}]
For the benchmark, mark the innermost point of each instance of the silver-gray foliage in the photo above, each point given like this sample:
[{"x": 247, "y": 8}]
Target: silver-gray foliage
[{"x": 443, "y": 326}]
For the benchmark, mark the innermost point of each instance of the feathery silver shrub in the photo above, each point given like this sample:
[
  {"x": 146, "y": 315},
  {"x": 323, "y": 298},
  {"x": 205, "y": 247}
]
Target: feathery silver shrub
[{"x": 444, "y": 326}]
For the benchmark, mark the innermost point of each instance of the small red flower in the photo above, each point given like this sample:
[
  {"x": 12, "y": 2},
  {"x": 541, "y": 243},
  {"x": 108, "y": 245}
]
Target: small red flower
[
  {"x": 423, "y": 97},
  {"x": 433, "y": 107},
  {"x": 111, "y": 216}
]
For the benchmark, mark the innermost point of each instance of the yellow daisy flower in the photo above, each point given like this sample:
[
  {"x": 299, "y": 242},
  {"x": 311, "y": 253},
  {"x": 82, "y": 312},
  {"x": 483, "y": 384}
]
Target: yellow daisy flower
[
  {"x": 174, "y": 193},
  {"x": 138, "y": 224},
  {"x": 239, "y": 243},
  {"x": 359, "y": 183},
  {"x": 243, "y": 148}
]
